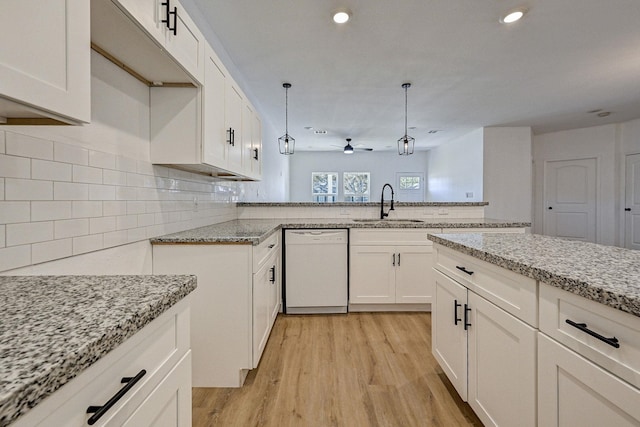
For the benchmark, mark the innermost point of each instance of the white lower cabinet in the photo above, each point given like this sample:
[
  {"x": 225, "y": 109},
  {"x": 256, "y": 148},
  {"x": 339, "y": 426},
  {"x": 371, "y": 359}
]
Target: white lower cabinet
[
  {"x": 572, "y": 391},
  {"x": 234, "y": 305},
  {"x": 158, "y": 359},
  {"x": 390, "y": 266},
  {"x": 488, "y": 354}
]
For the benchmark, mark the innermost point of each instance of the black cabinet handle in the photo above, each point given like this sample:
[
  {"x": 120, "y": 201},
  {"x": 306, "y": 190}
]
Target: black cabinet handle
[
  {"x": 627, "y": 209},
  {"x": 167, "y": 15},
  {"x": 272, "y": 279},
  {"x": 469, "y": 272},
  {"x": 467, "y": 310},
  {"x": 613, "y": 342},
  {"x": 394, "y": 260},
  {"x": 549, "y": 208},
  {"x": 398, "y": 259},
  {"x": 231, "y": 139},
  {"x": 255, "y": 154},
  {"x": 175, "y": 21},
  {"x": 271, "y": 246},
  {"x": 455, "y": 311},
  {"x": 99, "y": 411}
]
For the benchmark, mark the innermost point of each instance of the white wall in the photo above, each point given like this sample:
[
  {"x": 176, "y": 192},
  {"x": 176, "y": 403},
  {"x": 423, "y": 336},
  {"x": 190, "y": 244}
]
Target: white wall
[
  {"x": 455, "y": 168},
  {"x": 382, "y": 166},
  {"x": 89, "y": 193},
  {"x": 599, "y": 142},
  {"x": 507, "y": 173}
]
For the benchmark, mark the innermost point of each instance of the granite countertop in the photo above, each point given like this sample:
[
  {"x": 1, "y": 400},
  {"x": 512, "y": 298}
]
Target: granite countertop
[
  {"x": 255, "y": 231},
  {"x": 357, "y": 204},
  {"x": 54, "y": 327},
  {"x": 606, "y": 274}
]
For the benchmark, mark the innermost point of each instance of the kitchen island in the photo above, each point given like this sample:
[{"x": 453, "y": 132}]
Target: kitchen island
[
  {"x": 55, "y": 329},
  {"x": 536, "y": 330}
]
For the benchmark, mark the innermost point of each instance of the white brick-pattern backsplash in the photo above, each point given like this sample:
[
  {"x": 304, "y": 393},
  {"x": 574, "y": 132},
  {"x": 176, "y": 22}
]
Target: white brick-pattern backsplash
[{"x": 59, "y": 200}]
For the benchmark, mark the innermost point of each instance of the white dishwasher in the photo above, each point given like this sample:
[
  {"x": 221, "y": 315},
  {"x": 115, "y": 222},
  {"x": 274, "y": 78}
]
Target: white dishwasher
[{"x": 315, "y": 271}]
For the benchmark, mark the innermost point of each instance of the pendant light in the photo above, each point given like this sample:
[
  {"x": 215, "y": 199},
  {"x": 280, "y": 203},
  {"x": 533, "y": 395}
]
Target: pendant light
[
  {"x": 406, "y": 143},
  {"x": 286, "y": 143}
]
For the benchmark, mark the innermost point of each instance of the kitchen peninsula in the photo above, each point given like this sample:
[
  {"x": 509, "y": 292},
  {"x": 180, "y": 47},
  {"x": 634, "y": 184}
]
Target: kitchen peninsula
[{"x": 533, "y": 330}]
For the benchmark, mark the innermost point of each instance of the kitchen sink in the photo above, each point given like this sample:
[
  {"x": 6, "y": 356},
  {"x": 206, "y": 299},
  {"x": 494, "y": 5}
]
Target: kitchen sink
[{"x": 398, "y": 220}]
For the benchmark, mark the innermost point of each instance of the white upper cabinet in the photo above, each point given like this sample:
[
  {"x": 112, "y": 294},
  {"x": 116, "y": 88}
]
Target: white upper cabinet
[
  {"x": 214, "y": 145},
  {"x": 256, "y": 147},
  {"x": 45, "y": 60},
  {"x": 233, "y": 112},
  {"x": 171, "y": 27}
]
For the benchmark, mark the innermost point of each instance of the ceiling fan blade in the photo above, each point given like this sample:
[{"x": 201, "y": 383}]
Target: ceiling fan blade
[{"x": 363, "y": 149}]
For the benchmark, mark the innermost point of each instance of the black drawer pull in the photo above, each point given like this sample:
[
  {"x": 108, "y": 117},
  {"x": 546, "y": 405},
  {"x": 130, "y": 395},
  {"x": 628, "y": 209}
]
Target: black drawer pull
[
  {"x": 255, "y": 154},
  {"x": 99, "y": 411},
  {"x": 398, "y": 259},
  {"x": 271, "y": 246},
  {"x": 455, "y": 311},
  {"x": 467, "y": 310},
  {"x": 394, "y": 260},
  {"x": 464, "y": 269},
  {"x": 613, "y": 342},
  {"x": 272, "y": 272}
]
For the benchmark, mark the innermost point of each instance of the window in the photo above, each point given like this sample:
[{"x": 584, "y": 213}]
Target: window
[
  {"x": 409, "y": 183},
  {"x": 356, "y": 186},
  {"x": 324, "y": 186}
]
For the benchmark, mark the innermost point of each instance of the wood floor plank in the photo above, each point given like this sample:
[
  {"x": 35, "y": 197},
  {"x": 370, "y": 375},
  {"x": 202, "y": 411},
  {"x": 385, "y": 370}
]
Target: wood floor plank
[{"x": 360, "y": 369}]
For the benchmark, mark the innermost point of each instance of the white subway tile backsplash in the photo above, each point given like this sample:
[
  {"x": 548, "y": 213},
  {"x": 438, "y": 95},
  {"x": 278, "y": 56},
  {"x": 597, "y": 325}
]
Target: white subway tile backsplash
[
  {"x": 87, "y": 174},
  {"x": 125, "y": 222},
  {"x": 86, "y": 244},
  {"x": 126, "y": 193},
  {"x": 114, "y": 177},
  {"x": 135, "y": 180},
  {"x": 116, "y": 207},
  {"x": 2, "y": 143},
  {"x": 145, "y": 220},
  {"x": 136, "y": 234},
  {"x": 126, "y": 164},
  {"x": 70, "y": 228},
  {"x": 1, "y": 188},
  {"x": 47, "y": 251},
  {"x": 144, "y": 168},
  {"x": 51, "y": 171},
  {"x": 103, "y": 224},
  {"x": 28, "y": 146},
  {"x": 70, "y": 191},
  {"x": 102, "y": 160},
  {"x": 29, "y": 232},
  {"x": 26, "y": 189},
  {"x": 86, "y": 209},
  {"x": 70, "y": 154},
  {"x": 115, "y": 238},
  {"x": 2, "y": 236},
  {"x": 47, "y": 211},
  {"x": 14, "y": 257},
  {"x": 136, "y": 207},
  {"x": 102, "y": 192},
  {"x": 15, "y": 167},
  {"x": 12, "y": 212}
]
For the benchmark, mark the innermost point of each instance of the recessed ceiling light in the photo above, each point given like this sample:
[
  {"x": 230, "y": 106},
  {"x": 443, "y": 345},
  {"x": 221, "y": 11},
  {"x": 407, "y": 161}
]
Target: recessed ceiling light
[
  {"x": 341, "y": 16},
  {"x": 308, "y": 127},
  {"x": 594, "y": 111},
  {"x": 513, "y": 16}
]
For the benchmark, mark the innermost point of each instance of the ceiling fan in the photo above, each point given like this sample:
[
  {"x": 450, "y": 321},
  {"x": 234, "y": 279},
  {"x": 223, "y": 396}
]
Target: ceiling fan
[{"x": 348, "y": 149}]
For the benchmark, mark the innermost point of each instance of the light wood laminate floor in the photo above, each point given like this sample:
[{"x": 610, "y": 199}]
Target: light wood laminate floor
[{"x": 360, "y": 369}]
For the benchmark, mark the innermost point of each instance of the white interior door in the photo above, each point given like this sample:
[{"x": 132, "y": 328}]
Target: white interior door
[
  {"x": 632, "y": 202},
  {"x": 570, "y": 199}
]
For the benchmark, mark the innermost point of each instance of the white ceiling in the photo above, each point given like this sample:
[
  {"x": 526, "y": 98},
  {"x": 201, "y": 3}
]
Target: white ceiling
[{"x": 467, "y": 70}]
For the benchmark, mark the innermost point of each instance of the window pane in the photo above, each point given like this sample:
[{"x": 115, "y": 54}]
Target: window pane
[
  {"x": 356, "y": 184},
  {"x": 410, "y": 183}
]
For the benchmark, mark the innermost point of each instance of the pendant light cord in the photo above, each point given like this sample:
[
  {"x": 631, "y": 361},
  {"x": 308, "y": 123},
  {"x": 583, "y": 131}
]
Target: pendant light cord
[
  {"x": 405, "y": 111},
  {"x": 286, "y": 110}
]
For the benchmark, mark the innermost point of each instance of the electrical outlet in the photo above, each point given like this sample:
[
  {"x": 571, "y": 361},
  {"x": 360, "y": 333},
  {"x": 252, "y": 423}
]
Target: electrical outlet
[
  {"x": 469, "y": 194},
  {"x": 195, "y": 203}
]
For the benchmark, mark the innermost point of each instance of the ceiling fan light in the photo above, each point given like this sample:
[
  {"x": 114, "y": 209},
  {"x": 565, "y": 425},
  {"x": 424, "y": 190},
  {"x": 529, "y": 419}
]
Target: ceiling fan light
[
  {"x": 348, "y": 149},
  {"x": 512, "y": 16}
]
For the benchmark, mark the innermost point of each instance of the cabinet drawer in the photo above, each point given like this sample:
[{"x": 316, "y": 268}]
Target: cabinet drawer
[
  {"x": 391, "y": 236},
  {"x": 557, "y": 306},
  {"x": 510, "y": 291},
  {"x": 156, "y": 348},
  {"x": 264, "y": 250}
]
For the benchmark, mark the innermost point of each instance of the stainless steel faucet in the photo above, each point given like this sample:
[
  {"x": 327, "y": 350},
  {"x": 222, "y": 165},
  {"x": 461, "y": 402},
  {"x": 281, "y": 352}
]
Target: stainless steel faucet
[{"x": 382, "y": 213}]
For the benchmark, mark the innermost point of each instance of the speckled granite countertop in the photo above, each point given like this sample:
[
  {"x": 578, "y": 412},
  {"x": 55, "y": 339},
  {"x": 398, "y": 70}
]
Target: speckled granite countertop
[
  {"x": 255, "y": 231},
  {"x": 606, "y": 274},
  {"x": 54, "y": 327},
  {"x": 357, "y": 204}
]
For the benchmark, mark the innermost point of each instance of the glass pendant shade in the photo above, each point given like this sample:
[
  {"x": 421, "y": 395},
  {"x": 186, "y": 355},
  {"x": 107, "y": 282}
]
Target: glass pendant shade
[
  {"x": 406, "y": 144},
  {"x": 286, "y": 143}
]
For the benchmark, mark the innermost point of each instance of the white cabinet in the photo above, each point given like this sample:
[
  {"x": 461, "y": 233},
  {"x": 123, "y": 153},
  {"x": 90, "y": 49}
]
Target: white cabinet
[
  {"x": 573, "y": 391},
  {"x": 487, "y": 353},
  {"x": 390, "y": 266},
  {"x": 233, "y": 99},
  {"x": 45, "y": 61},
  {"x": 226, "y": 339},
  {"x": 171, "y": 27},
  {"x": 158, "y": 356},
  {"x": 251, "y": 142}
]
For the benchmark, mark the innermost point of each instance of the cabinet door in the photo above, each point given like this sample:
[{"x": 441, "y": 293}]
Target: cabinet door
[
  {"x": 247, "y": 130},
  {"x": 274, "y": 290},
  {"x": 214, "y": 144},
  {"x": 45, "y": 60},
  {"x": 148, "y": 14},
  {"x": 256, "y": 147},
  {"x": 265, "y": 293},
  {"x": 372, "y": 275},
  {"x": 233, "y": 114},
  {"x": 414, "y": 274},
  {"x": 502, "y": 366},
  {"x": 448, "y": 335},
  {"x": 169, "y": 404},
  {"x": 572, "y": 391},
  {"x": 186, "y": 43}
]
